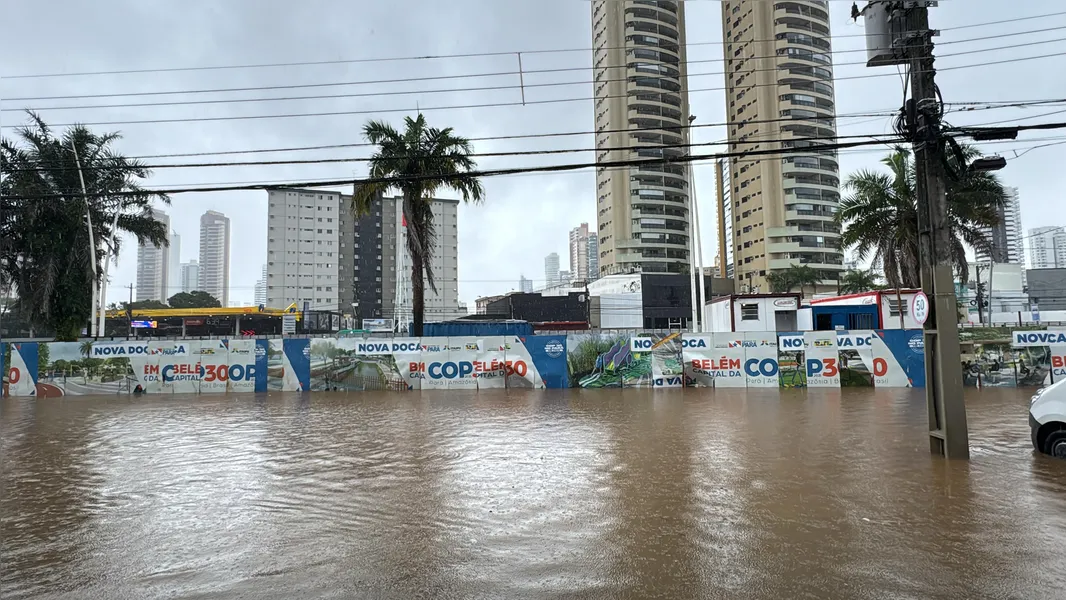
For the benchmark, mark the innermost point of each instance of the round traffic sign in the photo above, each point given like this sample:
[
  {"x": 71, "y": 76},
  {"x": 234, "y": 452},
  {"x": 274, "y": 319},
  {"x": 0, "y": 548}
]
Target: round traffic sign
[{"x": 920, "y": 308}]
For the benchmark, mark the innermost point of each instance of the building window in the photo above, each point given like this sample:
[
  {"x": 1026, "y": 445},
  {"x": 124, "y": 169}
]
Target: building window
[{"x": 749, "y": 312}]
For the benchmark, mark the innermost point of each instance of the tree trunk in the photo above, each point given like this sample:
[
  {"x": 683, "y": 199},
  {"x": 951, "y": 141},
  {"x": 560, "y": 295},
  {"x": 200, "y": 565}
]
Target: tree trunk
[{"x": 418, "y": 294}]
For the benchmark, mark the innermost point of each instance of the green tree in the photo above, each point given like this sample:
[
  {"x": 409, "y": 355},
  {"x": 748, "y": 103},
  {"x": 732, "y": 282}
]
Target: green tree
[
  {"x": 45, "y": 255},
  {"x": 43, "y": 357},
  {"x": 417, "y": 162},
  {"x": 880, "y": 217},
  {"x": 859, "y": 281},
  {"x": 145, "y": 305},
  {"x": 795, "y": 276},
  {"x": 86, "y": 349},
  {"x": 195, "y": 299}
]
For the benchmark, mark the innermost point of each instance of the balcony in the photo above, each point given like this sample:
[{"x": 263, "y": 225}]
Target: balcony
[
  {"x": 638, "y": 26},
  {"x": 655, "y": 83},
  {"x": 782, "y": 9},
  {"x": 653, "y": 14}
]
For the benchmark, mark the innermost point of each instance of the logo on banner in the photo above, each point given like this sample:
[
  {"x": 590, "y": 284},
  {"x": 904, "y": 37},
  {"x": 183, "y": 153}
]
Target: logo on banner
[
  {"x": 853, "y": 341},
  {"x": 694, "y": 343},
  {"x": 554, "y": 349},
  {"x": 823, "y": 343},
  {"x": 1039, "y": 338},
  {"x": 916, "y": 343},
  {"x": 766, "y": 367},
  {"x": 464, "y": 369},
  {"x": 822, "y": 367},
  {"x": 667, "y": 382},
  {"x": 792, "y": 342}
]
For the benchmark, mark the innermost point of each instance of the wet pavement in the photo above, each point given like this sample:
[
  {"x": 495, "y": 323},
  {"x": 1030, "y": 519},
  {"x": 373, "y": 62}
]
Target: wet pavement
[{"x": 525, "y": 494}]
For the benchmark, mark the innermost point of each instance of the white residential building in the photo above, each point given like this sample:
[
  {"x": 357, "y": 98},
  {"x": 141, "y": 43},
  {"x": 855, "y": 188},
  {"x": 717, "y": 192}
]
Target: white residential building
[
  {"x": 442, "y": 305},
  {"x": 1047, "y": 247},
  {"x": 1006, "y": 237},
  {"x": 303, "y": 246},
  {"x": 214, "y": 255},
  {"x": 174, "y": 265},
  {"x": 261, "y": 289},
  {"x": 152, "y": 265},
  {"x": 190, "y": 276},
  {"x": 525, "y": 285},
  {"x": 551, "y": 269}
]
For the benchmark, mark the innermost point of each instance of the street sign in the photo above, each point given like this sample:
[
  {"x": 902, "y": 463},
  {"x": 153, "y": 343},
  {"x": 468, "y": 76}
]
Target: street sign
[
  {"x": 143, "y": 324},
  {"x": 288, "y": 324},
  {"x": 920, "y": 308}
]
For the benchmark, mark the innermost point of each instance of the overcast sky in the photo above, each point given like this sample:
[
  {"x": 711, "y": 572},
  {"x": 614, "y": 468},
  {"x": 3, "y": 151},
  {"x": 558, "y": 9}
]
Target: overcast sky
[{"x": 525, "y": 217}]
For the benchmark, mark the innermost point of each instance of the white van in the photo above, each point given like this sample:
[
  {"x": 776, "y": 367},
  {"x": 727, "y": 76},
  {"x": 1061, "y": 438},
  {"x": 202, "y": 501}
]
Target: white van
[{"x": 1047, "y": 419}]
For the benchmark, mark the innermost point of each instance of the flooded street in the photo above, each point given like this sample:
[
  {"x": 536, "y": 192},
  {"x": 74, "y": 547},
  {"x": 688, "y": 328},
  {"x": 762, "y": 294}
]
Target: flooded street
[{"x": 534, "y": 494}]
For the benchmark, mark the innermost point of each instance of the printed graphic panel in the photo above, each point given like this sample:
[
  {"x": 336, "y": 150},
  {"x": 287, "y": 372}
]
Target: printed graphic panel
[
  {"x": 761, "y": 365},
  {"x": 247, "y": 366},
  {"x": 791, "y": 358},
  {"x": 20, "y": 360},
  {"x": 435, "y": 354},
  {"x": 490, "y": 364},
  {"x": 908, "y": 348},
  {"x": 697, "y": 352},
  {"x": 597, "y": 360},
  {"x": 543, "y": 359},
  {"x": 823, "y": 359},
  {"x": 657, "y": 361},
  {"x": 856, "y": 358},
  {"x": 887, "y": 370}
]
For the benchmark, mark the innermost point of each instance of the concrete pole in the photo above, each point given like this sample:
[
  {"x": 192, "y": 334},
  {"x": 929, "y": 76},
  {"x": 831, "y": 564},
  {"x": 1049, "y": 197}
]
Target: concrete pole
[
  {"x": 699, "y": 254},
  {"x": 92, "y": 245},
  {"x": 691, "y": 230},
  {"x": 948, "y": 433}
]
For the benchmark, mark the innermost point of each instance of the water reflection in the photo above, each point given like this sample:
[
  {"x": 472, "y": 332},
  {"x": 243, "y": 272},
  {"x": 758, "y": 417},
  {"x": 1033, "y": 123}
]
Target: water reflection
[{"x": 543, "y": 494}]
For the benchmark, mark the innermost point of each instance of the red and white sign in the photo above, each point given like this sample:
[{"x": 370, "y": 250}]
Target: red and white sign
[{"x": 920, "y": 307}]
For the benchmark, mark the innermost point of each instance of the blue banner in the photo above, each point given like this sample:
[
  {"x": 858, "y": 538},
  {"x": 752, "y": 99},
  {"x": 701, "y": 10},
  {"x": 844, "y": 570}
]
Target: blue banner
[
  {"x": 548, "y": 353},
  {"x": 908, "y": 347},
  {"x": 297, "y": 364},
  {"x": 20, "y": 376},
  {"x": 261, "y": 353}
]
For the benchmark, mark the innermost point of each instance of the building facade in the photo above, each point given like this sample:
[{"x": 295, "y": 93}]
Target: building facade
[
  {"x": 525, "y": 285},
  {"x": 639, "y": 66},
  {"x": 174, "y": 264},
  {"x": 551, "y": 270},
  {"x": 153, "y": 265},
  {"x": 190, "y": 276},
  {"x": 1047, "y": 248},
  {"x": 779, "y": 94},
  {"x": 333, "y": 261},
  {"x": 584, "y": 254},
  {"x": 214, "y": 255},
  {"x": 260, "y": 298},
  {"x": 1006, "y": 236}
]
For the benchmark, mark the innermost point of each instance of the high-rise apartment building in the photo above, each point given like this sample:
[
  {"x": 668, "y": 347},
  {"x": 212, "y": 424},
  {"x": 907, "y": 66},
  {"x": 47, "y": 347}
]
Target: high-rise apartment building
[
  {"x": 190, "y": 276},
  {"x": 551, "y": 269},
  {"x": 334, "y": 261},
  {"x": 779, "y": 94},
  {"x": 525, "y": 285},
  {"x": 584, "y": 255},
  {"x": 174, "y": 264},
  {"x": 260, "y": 298},
  {"x": 152, "y": 265},
  {"x": 214, "y": 255},
  {"x": 1006, "y": 236},
  {"x": 1047, "y": 248},
  {"x": 641, "y": 100}
]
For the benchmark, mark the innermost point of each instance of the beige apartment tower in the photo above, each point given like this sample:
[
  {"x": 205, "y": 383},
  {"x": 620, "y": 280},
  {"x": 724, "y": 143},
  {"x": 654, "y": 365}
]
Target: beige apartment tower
[
  {"x": 641, "y": 106},
  {"x": 779, "y": 94}
]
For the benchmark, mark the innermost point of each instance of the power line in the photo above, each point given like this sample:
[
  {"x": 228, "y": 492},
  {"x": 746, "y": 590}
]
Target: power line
[
  {"x": 519, "y": 86},
  {"x": 456, "y": 76},
  {"x": 452, "y": 56},
  {"x": 480, "y": 174}
]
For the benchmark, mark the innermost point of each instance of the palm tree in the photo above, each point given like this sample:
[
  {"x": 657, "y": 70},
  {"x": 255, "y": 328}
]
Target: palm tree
[
  {"x": 859, "y": 281},
  {"x": 45, "y": 254},
  {"x": 880, "y": 217},
  {"x": 800, "y": 276},
  {"x": 417, "y": 162}
]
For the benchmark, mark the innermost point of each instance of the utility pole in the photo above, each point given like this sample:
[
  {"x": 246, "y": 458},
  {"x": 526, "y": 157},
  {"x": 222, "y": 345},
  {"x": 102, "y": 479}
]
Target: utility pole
[
  {"x": 129, "y": 315},
  {"x": 93, "y": 331},
  {"x": 948, "y": 434},
  {"x": 907, "y": 25}
]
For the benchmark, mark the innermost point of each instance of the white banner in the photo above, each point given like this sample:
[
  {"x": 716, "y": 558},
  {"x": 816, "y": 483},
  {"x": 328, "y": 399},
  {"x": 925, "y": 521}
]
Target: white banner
[
  {"x": 761, "y": 367},
  {"x": 490, "y": 364},
  {"x": 823, "y": 360},
  {"x": 435, "y": 355},
  {"x": 521, "y": 371},
  {"x": 459, "y": 370},
  {"x": 407, "y": 355},
  {"x": 19, "y": 381},
  {"x": 886, "y": 368},
  {"x": 241, "y": 361},
  {"x": 214, "y": 360},
  {"x": 697, "y": 350},
  {"x": 1028, "y": 339}
]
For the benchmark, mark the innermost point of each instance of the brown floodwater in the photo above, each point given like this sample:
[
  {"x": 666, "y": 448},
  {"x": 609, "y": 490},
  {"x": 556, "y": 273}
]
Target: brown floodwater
[{"x": 525, "y": 494}]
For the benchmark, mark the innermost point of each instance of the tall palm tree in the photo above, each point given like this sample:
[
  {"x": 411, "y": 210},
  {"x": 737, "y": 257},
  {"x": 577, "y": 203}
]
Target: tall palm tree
[
  {"x": 880, "y": 216},
  {"x": 45, "y": 255},
  {"x": 859, "y": 281},
  {"x": 417, "y": 162}
]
